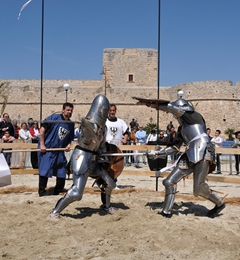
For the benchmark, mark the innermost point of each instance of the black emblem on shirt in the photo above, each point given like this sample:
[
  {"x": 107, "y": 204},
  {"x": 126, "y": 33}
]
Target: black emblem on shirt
[
  {"x": 62, "y": 132},
  {"x": 113, "y": 131}
]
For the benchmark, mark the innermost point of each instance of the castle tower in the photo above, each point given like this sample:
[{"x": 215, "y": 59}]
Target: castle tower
[{"x": 129, "y": 67}]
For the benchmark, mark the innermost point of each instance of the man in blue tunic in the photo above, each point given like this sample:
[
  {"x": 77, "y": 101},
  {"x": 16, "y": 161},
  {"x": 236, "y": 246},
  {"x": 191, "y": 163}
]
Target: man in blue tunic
[{"x": 58, "y": 134}]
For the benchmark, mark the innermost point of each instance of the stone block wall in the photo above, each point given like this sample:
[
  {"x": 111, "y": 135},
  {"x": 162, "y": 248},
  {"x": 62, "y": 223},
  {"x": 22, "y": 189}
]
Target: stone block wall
[
  {"x": 218, "y": 101},
  {"x": 141, "y": 63}
]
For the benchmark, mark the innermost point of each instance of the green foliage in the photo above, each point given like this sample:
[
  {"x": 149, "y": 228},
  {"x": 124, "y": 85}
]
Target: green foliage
[
  {"x": 149, "y": 127},
  {"x": 230, "y": 132}
]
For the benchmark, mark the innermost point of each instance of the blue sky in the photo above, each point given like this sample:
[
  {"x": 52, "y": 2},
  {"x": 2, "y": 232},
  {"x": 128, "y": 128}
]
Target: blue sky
[{"x": 199, "y": 40}]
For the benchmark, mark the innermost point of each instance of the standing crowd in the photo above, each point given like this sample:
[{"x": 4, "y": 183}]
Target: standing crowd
[{"x": 9, "y": 131}]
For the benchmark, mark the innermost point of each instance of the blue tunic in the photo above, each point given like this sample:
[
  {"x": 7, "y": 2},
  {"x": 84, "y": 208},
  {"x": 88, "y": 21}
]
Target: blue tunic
[{"x": 57, "y": 135}]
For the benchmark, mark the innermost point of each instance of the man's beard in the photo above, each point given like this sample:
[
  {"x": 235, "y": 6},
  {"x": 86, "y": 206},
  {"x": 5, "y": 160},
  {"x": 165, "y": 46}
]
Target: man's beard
[{"x": 68, "y": 115}]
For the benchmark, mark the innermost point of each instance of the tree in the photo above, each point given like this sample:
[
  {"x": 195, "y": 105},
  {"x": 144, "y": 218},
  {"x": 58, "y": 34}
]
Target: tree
[
  {"x": 149, "y": 127},
  {"x": 4, "y": 92},
  {"x": 230, "y": 132}
]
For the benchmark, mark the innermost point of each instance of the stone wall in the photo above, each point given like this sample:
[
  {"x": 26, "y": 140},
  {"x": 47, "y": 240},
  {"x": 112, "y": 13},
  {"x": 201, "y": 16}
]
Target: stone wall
[
  {"x": 217, "y": 101},
  {"x": 119, "y": 63}
]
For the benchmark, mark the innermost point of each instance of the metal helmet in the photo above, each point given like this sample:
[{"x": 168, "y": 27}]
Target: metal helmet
[
  {"x": 99, "y": 110},
  {"x": 182, "y": 103}
]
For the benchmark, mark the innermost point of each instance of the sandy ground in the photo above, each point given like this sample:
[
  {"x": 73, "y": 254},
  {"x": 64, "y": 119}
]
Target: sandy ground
[{"x": 135, "y": 231}]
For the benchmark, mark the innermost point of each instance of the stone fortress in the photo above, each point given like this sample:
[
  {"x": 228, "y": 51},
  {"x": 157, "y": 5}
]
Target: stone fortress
[{"x": 126, "y": 73}]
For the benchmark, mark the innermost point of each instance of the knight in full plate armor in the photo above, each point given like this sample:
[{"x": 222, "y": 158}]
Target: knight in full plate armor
[
  {"x": 87, "y": 160},
  {"x": 197, "y": 158}
]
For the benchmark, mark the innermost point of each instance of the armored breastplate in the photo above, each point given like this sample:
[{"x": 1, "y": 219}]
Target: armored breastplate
[
  {"x": 196, "y": 139},
  {"x": 189, "y": 132},
  {"x": 90, "y": 135}
]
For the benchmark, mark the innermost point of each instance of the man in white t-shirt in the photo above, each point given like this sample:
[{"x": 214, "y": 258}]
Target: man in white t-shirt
[
  {"x": 116, "y": 129},
  {"x": 217, "y": 140}
]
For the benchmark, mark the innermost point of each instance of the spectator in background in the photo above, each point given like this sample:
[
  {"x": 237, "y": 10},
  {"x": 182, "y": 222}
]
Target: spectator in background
[
  {"x": 140, "y": 140},
  {"x": 7, "y": 138},
  {"x": 132, "y": 124},
  {"x": 236, "y": 144},
  {"x": 209, "y": 133},
  {"x": 5, "y": 125},
  {"x": 133, "y": 135},
  {"x": 24, "y": 133},
  {"x": 217, "y": 141},
  {"x": 30, "y": 122},
  {"x": 169, "y": 133},
  {"x": 35, "y": 133},
  {"x": 152, "y": 138},
  {"x": 137, "y": 125},
  {"x": 162, "y": 140},
  {"x": 117, "y": 129},
  {"x": 128, "y": 158},
  {"x": 169, "y": 126},
  {"x": 16, "y": 128},
  {"x": 133, "y": 142}
]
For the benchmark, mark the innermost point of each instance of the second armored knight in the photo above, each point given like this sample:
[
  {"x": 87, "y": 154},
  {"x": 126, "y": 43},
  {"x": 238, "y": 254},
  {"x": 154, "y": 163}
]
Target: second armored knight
[{"x": 197, "y": 158}]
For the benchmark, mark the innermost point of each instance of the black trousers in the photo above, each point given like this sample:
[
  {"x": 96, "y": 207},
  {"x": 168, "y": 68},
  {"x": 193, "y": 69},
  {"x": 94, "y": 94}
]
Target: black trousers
[
  {"x": 237, "y": 160},
  {"x": 60, "y": 183},
  {"x": 34, "y": 157}
]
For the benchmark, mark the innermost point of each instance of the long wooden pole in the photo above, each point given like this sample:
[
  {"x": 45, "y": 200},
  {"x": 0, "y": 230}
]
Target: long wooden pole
[
  {"x": 63, "y": 149},
  {"x": 31, "y": 147},
  {"x": 33, "y": 150}
]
